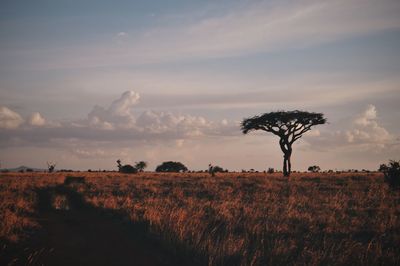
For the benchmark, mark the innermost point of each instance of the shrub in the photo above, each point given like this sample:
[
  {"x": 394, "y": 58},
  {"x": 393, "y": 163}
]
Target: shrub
[
  {"x": 51, "y": 166},
  {"x": 314, "y": 169},
  {"x": 270, "y": 170},
  {"x": 215, "y": 169},
  {"x": 126, "y": 169},
  {"x": 391, "y": 173},
  {"x": 140, "y": 166},
  {"x": 171, "y": 167}
]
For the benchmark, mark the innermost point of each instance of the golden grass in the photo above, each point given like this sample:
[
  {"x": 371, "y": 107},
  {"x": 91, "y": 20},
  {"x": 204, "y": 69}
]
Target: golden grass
[
  {"x": 18, "y": 202},
  {"x": 238, "y": 218}
]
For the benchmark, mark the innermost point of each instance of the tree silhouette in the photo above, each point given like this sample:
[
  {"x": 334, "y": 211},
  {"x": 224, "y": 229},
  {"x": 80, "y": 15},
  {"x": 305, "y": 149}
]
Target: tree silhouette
[
  {"x": 314, "y": 168},
  {"x": 289, "y": 126},
  {"x": 140, "y": 165},
  {"x": 126, "y": 169},
  {"x": 213, "y": 169},
  {"x": 51, "y": 166},
  {"x": 171, "y": 167}
]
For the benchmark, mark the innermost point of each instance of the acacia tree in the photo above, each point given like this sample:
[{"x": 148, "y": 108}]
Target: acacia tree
[
  {"x": 171, "y": 167},
  {"x": 51, "y": 166},
  {"x": 289, "y": 126},
  {"x": 140, "y": 165}
]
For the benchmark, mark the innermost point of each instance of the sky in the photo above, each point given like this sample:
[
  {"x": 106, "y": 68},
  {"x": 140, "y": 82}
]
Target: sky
[{"x": 84, "y": 83}]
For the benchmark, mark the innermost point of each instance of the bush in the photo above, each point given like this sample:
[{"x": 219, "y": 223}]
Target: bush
[
  {"x": 140, "y": 166},
  {"x": 171, "y": 167},
  {"x": 270, "y": 170},
  {"x": 212, "y": 170},
  {"x": 391, "y": 173},
  {"x": 126, "y": 169},
  {"x": 314, "y": 169}
]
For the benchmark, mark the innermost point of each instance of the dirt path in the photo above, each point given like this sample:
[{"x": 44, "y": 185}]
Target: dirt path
[{"x": 83, "y": 235}]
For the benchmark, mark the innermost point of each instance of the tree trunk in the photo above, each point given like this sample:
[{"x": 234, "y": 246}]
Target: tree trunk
[
  {"x": 287, "y": 165},
  {"x": 287, "y": 151},
  {"x": 285, "y": 170}
]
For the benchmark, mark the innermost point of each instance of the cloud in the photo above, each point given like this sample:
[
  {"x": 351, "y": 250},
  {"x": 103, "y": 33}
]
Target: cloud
[
  {"x": 266, "y": 27},
  {"x": 119, "y": 122},
  {"x": 367, "y": 130},
  {"x": 86, "y": 153},
  {"x": 363, "y": 133},
  {"x": 119, "y": 114},
  {"x": 36, "y": 119},
  {"x": 368, "y": 117},
  {"x": 9, "y": 119},
  {"x": 250, "y": 28}
]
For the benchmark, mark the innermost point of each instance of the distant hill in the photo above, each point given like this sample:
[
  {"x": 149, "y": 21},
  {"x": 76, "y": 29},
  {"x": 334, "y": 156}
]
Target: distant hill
[{"x": 23, "y": 168}]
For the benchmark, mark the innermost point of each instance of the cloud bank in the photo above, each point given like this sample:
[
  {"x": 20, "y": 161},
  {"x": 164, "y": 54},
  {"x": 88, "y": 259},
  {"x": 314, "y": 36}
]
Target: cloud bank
[
  {"x": 121, "y": 131},
  {"x": 118, "y": 122}
]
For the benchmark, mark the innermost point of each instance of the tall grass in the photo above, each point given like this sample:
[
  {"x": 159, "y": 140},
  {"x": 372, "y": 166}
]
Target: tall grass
[
  {"x": 250, "y": 219},
  {"x": 263, "y": 219},
  {"x": 18, "y": 203}
]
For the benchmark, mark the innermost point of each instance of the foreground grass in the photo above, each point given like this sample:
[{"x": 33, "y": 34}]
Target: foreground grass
[{"x": 237, "y": 219}]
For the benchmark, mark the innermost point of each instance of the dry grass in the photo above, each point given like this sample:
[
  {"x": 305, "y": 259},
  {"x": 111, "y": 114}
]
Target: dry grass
[
  {"x": 18, "y": 203},
  {"x": 238, "y": 219}
]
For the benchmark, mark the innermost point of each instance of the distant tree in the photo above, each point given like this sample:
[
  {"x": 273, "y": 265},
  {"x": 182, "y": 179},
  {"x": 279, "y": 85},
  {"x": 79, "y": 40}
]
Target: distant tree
[
  {"x": 391, "y": 172},
  {"x": 314, "y": 168},
  {"x": 289, "y": 126},
  {"x": 126, "y": 169},
  {"x": 51, "y": 166},
  {"x": 213, "y": 169},
  {"x": 140, "y": 166},
  {"x": 171, "y": 167},
  {"x": 270, "y": 170}
]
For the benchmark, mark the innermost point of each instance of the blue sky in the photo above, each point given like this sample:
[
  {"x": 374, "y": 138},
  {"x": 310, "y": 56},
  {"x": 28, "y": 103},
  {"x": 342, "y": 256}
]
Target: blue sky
[{"x": 192, "y": 70}]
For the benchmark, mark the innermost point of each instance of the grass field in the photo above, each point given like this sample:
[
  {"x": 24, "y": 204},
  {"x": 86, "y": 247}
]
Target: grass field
[{"x": 229, "y": 219}]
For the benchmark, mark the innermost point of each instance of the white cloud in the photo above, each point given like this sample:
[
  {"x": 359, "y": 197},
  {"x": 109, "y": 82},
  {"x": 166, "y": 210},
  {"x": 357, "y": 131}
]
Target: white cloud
[
  {"x": 122, "y": 116},
  {"x": 9, "y": 119},
  {"x": 119, "y": 114},
  {"x": 367, "y": 130},
  {"x": 123, "y": 105},
  {"x": 368, "y": 117},
  {"x": 120, "y": 122},
  {"x": 36, "y": 119},
  {"x": 364, "y": 133},
  {"x": 90, "y": 153}
]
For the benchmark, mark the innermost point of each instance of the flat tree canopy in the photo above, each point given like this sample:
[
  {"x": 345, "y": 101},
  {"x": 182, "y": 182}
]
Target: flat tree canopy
[
  {"x": 171, "y": 167},
  {"x": 288, "y": 125}
]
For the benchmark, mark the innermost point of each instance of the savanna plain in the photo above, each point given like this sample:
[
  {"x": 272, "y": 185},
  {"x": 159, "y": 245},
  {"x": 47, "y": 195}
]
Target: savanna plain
[{"x": 109, "y": 218}]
